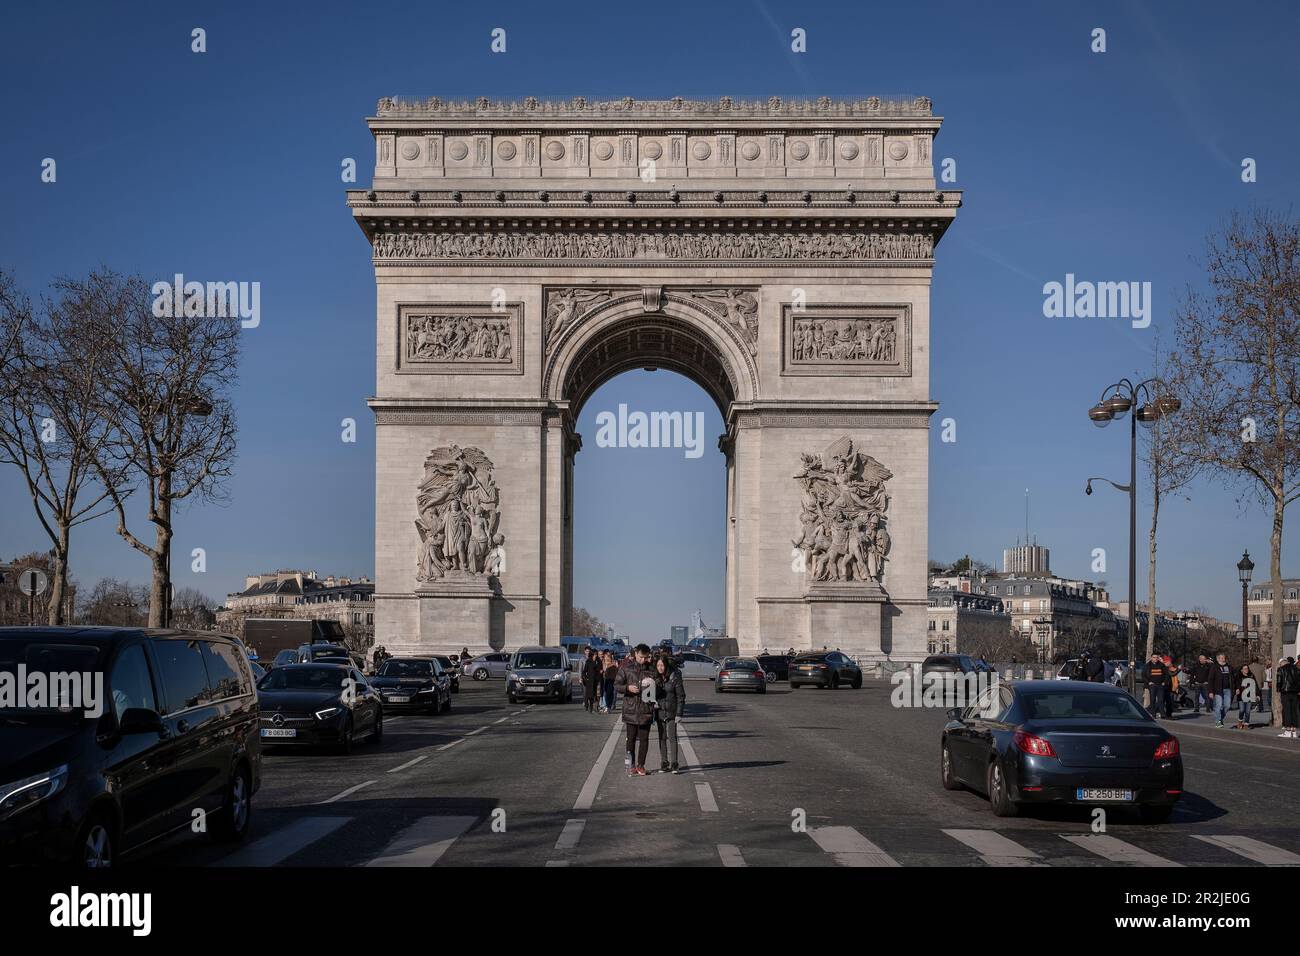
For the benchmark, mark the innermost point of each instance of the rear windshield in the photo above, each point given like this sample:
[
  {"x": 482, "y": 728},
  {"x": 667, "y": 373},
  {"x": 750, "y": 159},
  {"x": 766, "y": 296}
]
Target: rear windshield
[
  {"x": 68, "y": 677},
  {"x": 539, "y": 660},
  {"x": 811, "y": 657},
  {"x": 743, "y": 664},
  {"x": 304, "y": 678},
  {"x": 1044, "y": 705},
  {"x": 405, "y": 669}
]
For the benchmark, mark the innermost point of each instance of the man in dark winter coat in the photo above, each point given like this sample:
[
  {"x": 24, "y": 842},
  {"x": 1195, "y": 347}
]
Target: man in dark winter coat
[
  {"x": 1222, "y": 685},
  {"x": 1094, "y": 668},
  {"x": 634, "y": 685},
  {"x": 1158, "y": 682}
]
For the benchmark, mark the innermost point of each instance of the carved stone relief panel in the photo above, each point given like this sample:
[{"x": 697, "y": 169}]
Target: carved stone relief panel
[
  {"x": 844, "y": 339},
  {"x": 460, "y": 338}
]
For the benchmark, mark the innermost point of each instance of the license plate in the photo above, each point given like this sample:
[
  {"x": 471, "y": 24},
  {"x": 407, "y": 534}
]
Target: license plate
[
  {"x": 534, "y": 690},
  {"x": 1100, "y": 793},
  {"x": 397, "y": 699},
  {"x": 279, "y": 732}
]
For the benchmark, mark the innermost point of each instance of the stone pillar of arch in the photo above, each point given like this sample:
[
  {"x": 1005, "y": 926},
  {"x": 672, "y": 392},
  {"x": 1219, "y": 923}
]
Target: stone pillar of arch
[{"x": 778, "y": 254}]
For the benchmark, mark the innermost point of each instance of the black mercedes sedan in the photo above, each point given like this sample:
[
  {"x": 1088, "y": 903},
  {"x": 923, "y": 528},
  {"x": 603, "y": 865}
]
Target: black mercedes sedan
[
  {"x": 1059, "y": 742},
  {"x": 320, "y": 704},
  {"x": 415, "y": 683}
]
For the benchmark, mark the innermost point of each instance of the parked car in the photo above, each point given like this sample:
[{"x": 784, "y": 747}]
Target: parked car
[
  {"x": 176, "y": 732},
  {"x": 1044, "y": 742},
  {"x": 948, "y": 664},
  {"x": 540, "y": 673},
  {"x": 700, "y": 666},
  {"x": 741, "y": 673},
  {"x": 775, "y": 666},
  {"x": 257, "y": 669},
  {"x": 824, "y": 669},
  {"x": 450, "y": 667},
  {"x": 487, "y": 665},
  {"x": 320, "y": 704},
  {"x": 414, "y": 683}
]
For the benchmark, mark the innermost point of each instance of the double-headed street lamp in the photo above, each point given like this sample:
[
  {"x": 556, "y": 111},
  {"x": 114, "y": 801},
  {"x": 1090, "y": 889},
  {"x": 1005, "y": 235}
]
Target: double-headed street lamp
[{"x": 1149, "y": 401}]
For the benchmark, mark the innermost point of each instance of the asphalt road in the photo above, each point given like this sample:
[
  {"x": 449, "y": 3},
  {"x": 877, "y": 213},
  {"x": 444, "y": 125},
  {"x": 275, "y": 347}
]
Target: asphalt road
[{"x": 788, "y": 778}]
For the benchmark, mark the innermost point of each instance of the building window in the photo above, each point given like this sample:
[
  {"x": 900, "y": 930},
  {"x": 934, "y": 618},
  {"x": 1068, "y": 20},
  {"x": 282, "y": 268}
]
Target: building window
[
  {"x": 932, "y": 624},
  {"x": 370, "y": 619},
  {"x": 946, "y": 622},
  {"x": 1254, "y": 620}
]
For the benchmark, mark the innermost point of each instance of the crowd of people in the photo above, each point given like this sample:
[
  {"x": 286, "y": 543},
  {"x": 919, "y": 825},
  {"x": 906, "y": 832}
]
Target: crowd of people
[
  {"x": 652, "y": 693},
  {"x": 1221, "y": 688}
]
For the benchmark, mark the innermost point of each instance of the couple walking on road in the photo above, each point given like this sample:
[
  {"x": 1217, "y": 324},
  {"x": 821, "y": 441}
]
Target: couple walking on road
[{"x": 652, "y": 692}]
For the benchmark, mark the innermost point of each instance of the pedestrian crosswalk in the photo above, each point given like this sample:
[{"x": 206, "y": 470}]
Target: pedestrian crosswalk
[{"x": 429, "y": 839}]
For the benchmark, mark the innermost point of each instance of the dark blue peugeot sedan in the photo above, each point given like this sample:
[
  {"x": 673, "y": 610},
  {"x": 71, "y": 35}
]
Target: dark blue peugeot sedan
[{"x": 1062, "y": 742}]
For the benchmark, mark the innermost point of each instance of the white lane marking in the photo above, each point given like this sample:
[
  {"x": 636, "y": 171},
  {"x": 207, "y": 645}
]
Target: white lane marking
[
  {"x": 391, "y": 720},
  {"x": 731, "y": 855},
  {"x": 704, "y": 793},
  {"x": 518, "y": 712},
  {"x": 995, "y": 849},
  {"x": 479, "y": 731},
  {"x": 347, "y": 793},
  {"x": 687, "y": 748},
  {"x": 459, "y": 740},
  {"x": 502, "y": 720},
  {"x": 409, "y": 763},
  {"x": 1117, "y": 851},
  {"x": 570, "y": 835},
  {"x": 424, "y": 842},
  {"x": 849, "y": 847},
  {"x": 1255, "y": 850},
  {"x": 587, "y": 795},
  {"x": 557, "y": 862},
  {"x": 283, "y": 843}
]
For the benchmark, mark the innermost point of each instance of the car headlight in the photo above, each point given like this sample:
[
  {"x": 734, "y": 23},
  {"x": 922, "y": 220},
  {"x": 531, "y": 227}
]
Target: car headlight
[
  {"x": 513, "y": 676},
  {"x": 326, "y": 713},
  {"x": 559, "y": 676},
  {"x": 21, "y": 794}
]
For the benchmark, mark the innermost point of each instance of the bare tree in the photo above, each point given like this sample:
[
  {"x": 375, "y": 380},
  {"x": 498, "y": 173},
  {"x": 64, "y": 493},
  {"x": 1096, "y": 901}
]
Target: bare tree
[
  {"x": 51, "y": 422},
  {"x": 193, "y": 609},
  {"x": 1170, "y": 466},
  {"x": 586, "y": 623},
  {"x": 114, "y": 603},
  {"x": 1238, "y": 362},
  {"x": 167, "y": 379}
]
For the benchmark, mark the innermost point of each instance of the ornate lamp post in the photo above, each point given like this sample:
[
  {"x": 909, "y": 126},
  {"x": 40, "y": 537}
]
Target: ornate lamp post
[
  {"x": 1244, "y": 567},
  {"x": 1149, "y": 401}
]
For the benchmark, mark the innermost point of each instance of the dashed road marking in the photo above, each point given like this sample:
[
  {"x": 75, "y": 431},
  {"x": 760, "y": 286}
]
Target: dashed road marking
[
  {"x": 1255, "y": 850},
  {"x": 347, "y": 793},
  {"x": 587, "y": 795},
  {"x": 570, "y": 835},
  {"x": 479, "y": 731},
  {"x": 409, "y": 763},
  {"x": 687, "y": 748},
  {"x": 424, "y": 842},
  {"x": 731, "y": 855},
  {"x": 502, "y": 720},
  {"x": 1117, "y": 851},
  {"x": 849, "y": 847},
  {"x": 704, "y": 793},
  {"x": 459, "y": 740},
  {"x": 283, "y": 843},
  {"x": 995, "y": 849}
]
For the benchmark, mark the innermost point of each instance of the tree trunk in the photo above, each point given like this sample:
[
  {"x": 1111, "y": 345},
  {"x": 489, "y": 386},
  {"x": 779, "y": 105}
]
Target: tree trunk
[
  {"x": 59, "y": 585},
  {"x": 1274, "y": 646}
]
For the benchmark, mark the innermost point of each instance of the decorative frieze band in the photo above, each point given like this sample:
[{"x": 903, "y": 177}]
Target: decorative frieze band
[
  {"x": 705, "y": 246},
  {"x": 580, "y": 107},
  {"x": 832, "y": 417},
  {"x": 418, "y": 416}
]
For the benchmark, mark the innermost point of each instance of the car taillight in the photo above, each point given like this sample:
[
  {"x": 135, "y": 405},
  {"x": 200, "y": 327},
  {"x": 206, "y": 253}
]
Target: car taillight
[
  {"x": 1167, "y": 749},
  {"x": 723, "y": 673},
  {"x": 1034, "y": 745}
]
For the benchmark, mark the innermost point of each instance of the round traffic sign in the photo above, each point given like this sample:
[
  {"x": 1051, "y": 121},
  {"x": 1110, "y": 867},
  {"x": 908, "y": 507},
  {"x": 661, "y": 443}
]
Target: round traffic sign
[{"x": 32, "y": 581}]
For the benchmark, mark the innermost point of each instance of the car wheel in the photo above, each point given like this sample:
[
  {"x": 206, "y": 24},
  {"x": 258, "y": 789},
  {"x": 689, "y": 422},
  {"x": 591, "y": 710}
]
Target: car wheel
[
  {"x": 96, "y": 842},
  {"x": 446, "y": 704},
  {"x": 377, "y": 735},
  {"x": 455, "y": 688},
  {"x": 1156, "y": 813},
  {"x": 1003, "y": 805},
  {"x": 510, "y": 699},
  {"x": 835, "y": 682},
  {"x": 949, "y": 779},
  {"x": 793, "y": 685},
  {"x": 481, "y": 674},
  {"x": 345, "y": 741},
  {"x": 857, "y": 681},
  {"x": 771, "y": 677},
  {"x": 236, "y": 809}
]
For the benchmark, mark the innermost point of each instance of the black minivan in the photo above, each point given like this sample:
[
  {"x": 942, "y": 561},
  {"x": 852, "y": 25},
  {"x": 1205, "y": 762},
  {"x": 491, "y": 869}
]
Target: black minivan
[{"x": 164, "y": 735}]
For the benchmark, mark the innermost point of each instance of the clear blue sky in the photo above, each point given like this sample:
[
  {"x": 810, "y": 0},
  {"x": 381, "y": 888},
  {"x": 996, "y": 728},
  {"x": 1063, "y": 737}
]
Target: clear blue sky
[{"x": 226, "y": 164}]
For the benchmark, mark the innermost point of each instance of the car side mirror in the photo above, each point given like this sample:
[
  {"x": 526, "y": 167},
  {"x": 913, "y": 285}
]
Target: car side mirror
[
  {"x": 954, "y": 713},
  {"x": 140, "y": 720}
]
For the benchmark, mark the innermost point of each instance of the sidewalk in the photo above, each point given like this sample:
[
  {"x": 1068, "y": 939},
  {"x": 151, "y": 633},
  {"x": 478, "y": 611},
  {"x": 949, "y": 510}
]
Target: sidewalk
[{"x": 1261, "y": 734}]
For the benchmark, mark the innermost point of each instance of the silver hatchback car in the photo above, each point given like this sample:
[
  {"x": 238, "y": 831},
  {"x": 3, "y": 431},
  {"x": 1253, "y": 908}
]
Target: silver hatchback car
[
  {"x": 741, "y": 673},
  {"x": 540, "y": 673}
]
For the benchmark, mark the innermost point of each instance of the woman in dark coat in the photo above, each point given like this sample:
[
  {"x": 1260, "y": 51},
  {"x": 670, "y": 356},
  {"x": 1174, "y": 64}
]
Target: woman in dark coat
[{"x": 670, "y": 707}]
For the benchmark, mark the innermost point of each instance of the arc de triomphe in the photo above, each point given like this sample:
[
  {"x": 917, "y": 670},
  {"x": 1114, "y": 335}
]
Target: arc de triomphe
[{"x": 778, "y": 253}]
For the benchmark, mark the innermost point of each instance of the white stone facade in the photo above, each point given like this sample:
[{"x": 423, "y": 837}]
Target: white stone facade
[{"x": 521, "y": 260}]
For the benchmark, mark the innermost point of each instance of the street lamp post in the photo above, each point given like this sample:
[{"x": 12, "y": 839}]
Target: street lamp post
[
  {"x": 1149, "y": 401},
  {"x": 1244, "y": 567}
]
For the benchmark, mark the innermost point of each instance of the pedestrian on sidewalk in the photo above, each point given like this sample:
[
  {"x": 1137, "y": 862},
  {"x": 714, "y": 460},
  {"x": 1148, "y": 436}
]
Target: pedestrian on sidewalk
[
  {"x": 634, "y": 684},
  {"x": 1286, "y": 681},
  {"x": 593, "y": 675},
  {"x": 1257, "y": 672},
  {"x": 1201, "y": 677},
  {"x": 607, "y": 682},
  {"x": 670, "y": 707},
  {"x": 1246, "y": 689},
  {"x": 1171, "y": 690},
  {"x": 1094, "y": 668},
  {"x": 1157, "y": 683},
  {"x": 1221, "y": 681}
]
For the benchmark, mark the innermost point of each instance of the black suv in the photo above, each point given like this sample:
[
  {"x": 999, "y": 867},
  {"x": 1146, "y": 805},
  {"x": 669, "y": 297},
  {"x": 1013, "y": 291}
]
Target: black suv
[
  {"x": 165, "y": 725},
  {"x": 824, "y": 669}
]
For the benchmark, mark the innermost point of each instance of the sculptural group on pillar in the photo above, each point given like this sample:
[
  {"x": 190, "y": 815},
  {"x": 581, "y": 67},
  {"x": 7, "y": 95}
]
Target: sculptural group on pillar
[
  {"x": 842, "y": 521},
  {"x": 459, "y": 515}
]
